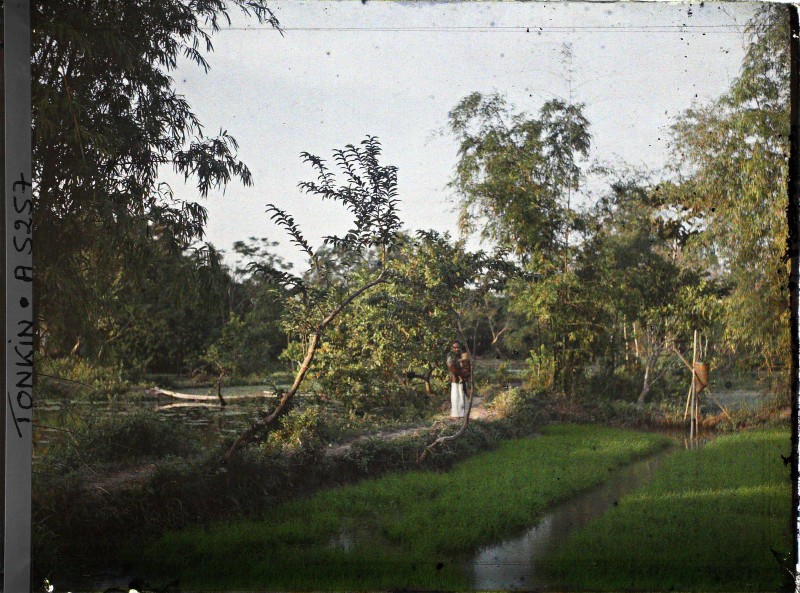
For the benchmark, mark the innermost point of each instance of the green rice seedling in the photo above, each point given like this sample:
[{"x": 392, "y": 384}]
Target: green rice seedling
[
  {"x": 709, "y": 521},
  {"x": 408, "y": 530}
]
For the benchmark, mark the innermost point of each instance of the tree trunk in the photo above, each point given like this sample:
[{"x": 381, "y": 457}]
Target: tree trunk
[
  {"x": 248, "y": 436},
  {"x": 219, "y": 390},
  {"x": 646, "y": 384},
  {"x": 625, "y": 339},
  {"x": 426, "y": 379}
]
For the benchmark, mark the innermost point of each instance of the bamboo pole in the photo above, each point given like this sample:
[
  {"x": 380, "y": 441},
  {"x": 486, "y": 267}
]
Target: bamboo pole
[
  {"x": 693, "y": 390},
  {"x": 716, "y": 401}
]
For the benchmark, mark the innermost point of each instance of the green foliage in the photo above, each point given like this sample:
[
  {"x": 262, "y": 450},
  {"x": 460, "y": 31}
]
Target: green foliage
[
  {"x": 516, "y": 174},
  {"x": 541, "y": 368},
  {"x": 313, "y": 303},
  {"x": 389, "y": 349},
  {"x": 246, "y": 345},
  {"x": 106, "y": 118},
  {"x": 646, "y": 292},
  {"x": 226, "y": 353},
  {"x": 731, "y": 159},
  {"x": 164, "y": 321},
  {"x": 77, "y": 378},
  {"x": 706, "y": 522},
  {"x": 508, "y": 402},
  {"x": 124, "y": 438},
  {"x": 370, "y": 193},
  {"x": 301, "y": 432},
  {"x": 514, "y": 170}
]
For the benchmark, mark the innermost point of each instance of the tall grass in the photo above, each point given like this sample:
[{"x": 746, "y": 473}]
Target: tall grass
[
  {"x": 406, "y": 530},
  {"x": 705, "y": 523}
]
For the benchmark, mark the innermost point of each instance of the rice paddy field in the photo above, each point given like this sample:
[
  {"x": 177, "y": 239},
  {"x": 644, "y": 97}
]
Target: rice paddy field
[
  {"x": 716, "y": 518},
  {"x": 402, "y": 531}
]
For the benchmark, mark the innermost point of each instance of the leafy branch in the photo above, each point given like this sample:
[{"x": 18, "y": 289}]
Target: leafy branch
[{"x": 369, "y": 192}]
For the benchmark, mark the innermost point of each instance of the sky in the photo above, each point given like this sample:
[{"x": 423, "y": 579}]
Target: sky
[{"x": 344, "y": 70}]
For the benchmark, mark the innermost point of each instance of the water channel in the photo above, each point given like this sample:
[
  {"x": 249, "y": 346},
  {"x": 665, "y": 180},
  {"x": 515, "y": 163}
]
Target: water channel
[{"x": 512, "y": 565}]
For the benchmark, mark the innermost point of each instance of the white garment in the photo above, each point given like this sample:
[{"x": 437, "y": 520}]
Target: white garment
[{"x": 458, "y": 400}]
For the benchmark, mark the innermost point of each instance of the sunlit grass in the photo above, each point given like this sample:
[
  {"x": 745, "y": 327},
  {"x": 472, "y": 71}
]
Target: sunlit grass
[
  {"x": 707, "y": 521},
  {"x": 406, "y": 530}
]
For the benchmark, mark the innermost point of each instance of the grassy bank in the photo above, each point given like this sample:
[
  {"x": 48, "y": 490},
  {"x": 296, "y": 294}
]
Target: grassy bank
[
  {"x": 402, "y": 530},
  {"x": 705, "y": 523}
]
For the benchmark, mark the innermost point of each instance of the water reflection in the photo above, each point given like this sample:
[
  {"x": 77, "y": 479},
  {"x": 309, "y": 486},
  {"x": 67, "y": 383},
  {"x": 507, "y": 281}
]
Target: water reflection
[
  {"x": 53, "y": 419},
  {"x": 511, "y": 565}
]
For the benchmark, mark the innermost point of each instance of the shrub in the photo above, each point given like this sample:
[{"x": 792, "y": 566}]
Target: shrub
[
  {"x": 507, "y": 402},
  {"x": 74, "y": 377},
  {"x": 514, "y": 401},
  {"x": 301, "y": 431},
  {"x": 124, "y": 438},
  {"x": 541, "y": 368}
]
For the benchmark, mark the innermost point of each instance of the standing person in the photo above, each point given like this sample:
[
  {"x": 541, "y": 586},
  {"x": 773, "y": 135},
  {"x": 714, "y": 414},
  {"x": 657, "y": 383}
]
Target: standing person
[{"x": 458, "y": 378}]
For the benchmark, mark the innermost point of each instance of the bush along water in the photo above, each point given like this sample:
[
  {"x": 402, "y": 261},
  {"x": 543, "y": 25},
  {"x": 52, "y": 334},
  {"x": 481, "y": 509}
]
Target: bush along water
[{"x": 79, "y": 379}]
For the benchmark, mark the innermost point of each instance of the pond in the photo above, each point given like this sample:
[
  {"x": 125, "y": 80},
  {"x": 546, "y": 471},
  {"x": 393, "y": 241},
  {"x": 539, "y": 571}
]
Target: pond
[{"x": 210, "y": 420}]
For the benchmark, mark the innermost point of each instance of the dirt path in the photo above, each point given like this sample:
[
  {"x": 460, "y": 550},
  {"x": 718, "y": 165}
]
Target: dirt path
[
  {"x": 129, "y": 477},
  {"x": 479, "y": 412}
]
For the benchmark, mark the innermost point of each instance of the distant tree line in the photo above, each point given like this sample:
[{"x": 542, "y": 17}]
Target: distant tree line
[{"x": 593, "y": 289}]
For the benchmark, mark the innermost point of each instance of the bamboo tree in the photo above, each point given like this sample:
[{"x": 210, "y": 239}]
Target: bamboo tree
[{"x": 731, "y": 176}]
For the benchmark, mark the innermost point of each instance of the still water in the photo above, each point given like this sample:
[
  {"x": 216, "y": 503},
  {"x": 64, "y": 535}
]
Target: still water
[
  {"x": 512, "y": 564},
  {"x": 210, "y": 420}
]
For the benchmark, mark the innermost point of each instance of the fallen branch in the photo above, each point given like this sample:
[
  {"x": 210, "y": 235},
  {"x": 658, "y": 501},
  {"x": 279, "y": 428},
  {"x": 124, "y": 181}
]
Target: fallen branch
[
  {"x": 186, "y": 405},
  {"x": 156, "y": 391},
  {"x": 425, "y": 452}
]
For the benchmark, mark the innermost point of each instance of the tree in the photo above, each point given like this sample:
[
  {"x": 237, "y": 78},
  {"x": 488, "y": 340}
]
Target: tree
[
  {"x": 163, "y": 320},
  {"x": 515, "y": 176},
  {"x": 515, "y": 172},
  {"x": 731, "y": 160},
  {"x": 369, "y": 192},
  {"x": 378, "y": 350},
  {"x": 635, "y": 266},
  {"x": 106, "y": 119},
  {"x": 255, "y": 310},
  {"x": 384, "y": 347}
]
